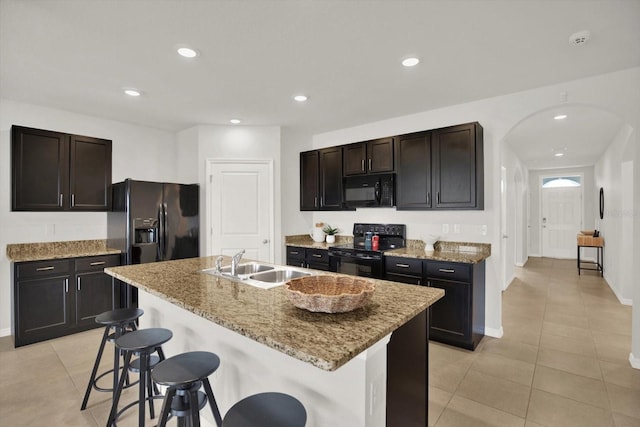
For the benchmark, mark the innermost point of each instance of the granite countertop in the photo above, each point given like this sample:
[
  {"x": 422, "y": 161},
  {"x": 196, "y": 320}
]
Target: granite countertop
[
  {"x": 20, "y": 252},
  {"x": 326, "y": 341},
  {"x": 465, "y": 252},
  {"x": 305, "y": 241}
]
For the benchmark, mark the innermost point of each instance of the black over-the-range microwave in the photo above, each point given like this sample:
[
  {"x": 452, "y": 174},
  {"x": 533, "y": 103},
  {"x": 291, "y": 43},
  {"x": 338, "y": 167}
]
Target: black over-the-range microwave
[{"x": 370, "y": 190}]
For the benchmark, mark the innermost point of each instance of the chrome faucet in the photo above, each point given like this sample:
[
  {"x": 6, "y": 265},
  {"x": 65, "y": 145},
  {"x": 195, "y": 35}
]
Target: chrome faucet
[
  {"x": 219, "y": 264},
  {"x": 235, "y": 260}
]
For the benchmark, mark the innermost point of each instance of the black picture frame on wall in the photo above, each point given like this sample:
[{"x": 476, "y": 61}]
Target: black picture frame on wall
[{"x": 601, "y": 203}]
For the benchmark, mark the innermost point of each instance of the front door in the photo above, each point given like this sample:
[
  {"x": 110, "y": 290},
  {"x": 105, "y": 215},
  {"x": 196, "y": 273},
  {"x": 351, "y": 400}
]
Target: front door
[
  {"x": 561, "y": 221},
  {"x": 240, "y": 208}
]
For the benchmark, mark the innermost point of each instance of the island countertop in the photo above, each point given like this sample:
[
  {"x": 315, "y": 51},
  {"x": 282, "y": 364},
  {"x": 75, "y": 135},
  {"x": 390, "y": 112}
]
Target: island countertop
[{"x": 326, "y": 341}]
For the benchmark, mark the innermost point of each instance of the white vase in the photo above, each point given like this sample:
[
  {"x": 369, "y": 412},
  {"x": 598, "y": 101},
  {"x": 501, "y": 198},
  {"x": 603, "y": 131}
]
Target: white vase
[{"x": 331, "y": 238}]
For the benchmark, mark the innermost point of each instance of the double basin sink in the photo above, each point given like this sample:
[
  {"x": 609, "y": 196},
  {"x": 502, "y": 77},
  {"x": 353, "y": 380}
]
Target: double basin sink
[{"x": 261, "y": 275}]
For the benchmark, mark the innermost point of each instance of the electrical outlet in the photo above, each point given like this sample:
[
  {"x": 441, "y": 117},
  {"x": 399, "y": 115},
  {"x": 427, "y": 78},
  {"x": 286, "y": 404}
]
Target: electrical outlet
[
  {"x": 445, "y": 228},
  {"x": 483, "y": 230},
  {"x": 456, "y": 228}
]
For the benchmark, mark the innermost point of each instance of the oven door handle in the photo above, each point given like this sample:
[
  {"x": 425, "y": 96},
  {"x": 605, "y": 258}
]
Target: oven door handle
[{"x": 353, "y": 256}]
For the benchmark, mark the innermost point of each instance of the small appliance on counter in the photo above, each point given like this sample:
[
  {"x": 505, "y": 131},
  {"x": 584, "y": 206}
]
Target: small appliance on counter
[{"x": 364, "y": 257}]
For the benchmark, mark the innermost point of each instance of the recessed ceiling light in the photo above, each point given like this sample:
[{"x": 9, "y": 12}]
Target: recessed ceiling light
[
  {"x": 300, "y": 98},
  {"x": 132, "y": 92},
  {"x": 410, "y": 62},
  {"x": 187, "y": 52},
  {"x": 235, "y": 121},
  {"x": 559, "y": 154},
  {"x": 560, "y": 117}
]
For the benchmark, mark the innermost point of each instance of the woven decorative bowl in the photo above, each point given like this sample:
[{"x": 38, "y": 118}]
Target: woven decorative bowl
[{"x": 329, "y": 294}]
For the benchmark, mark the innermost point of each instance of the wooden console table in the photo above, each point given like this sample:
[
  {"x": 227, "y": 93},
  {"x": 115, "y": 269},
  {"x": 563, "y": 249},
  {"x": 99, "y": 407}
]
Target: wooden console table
[{"x": 585, "y": 241}]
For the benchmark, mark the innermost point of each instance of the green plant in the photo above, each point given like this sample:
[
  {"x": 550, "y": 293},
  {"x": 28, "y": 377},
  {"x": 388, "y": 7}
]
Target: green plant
[{"x": 330, "y": 230}]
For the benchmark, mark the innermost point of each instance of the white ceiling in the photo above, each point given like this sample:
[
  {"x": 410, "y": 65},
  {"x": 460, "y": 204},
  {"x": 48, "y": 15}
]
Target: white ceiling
[{"x": 345, "y": 55}]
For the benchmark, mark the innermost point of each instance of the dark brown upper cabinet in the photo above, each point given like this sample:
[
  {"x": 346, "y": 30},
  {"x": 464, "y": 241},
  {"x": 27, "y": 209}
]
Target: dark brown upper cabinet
[
  {"x": 440, "y": 169},
  {"x": 368, "y": 157},
  {"x": 54, "y": 171},
  {"x": 458, "y": 167},
  {"x": 321, "y": 179},
  {"x": 413, "y": 171}
]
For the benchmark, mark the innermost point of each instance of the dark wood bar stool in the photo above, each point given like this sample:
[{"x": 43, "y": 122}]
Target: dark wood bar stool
[
  {"x": 116, "y": 323},
  {"x": 184, "y": 374},
  {"x": 266, "y": 410},
  {"x": 141, "y": 343}
]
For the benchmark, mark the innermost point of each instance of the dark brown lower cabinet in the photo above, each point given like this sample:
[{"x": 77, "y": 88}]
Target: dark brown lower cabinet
[
  {"x": 300, "y": 256},
  {"x": 458, "y": 318},
  {"x": 408, "y": 374},
  {"x": 54, "y": 298}
]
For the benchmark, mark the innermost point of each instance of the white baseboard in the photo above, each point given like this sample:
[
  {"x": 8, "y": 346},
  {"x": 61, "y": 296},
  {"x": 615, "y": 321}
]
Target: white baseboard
[
  {"x": 510, "y": 281},
  {"x": 623, "y": 301},
  {"x": 635, "y": 362},
  {"x": 5, "y": 332},
  {"x": 492, "y": 332},
  {"x": 535, "y": 256}
]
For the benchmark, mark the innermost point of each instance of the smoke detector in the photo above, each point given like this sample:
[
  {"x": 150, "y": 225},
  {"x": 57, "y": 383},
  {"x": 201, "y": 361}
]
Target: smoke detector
[{"x": 580, "y": 38}]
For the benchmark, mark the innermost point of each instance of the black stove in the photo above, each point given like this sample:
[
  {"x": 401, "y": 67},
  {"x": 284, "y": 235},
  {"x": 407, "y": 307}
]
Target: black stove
[{"x": 362, "y": 258}]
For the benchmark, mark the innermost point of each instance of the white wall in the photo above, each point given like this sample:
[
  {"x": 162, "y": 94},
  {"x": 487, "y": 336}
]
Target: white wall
[
  {"x": 614, "y": 173},
  {"x": 589, "y": 204},
  {"x": 138, "y": 152},
  {"x": 234, "y": 143},
  {"x": 498, "y": 116},
  {"x": 514, "y": 216}
]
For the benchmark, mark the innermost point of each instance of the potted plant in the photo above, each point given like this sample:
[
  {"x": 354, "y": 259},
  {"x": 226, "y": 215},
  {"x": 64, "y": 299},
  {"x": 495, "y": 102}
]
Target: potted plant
[{"x": 331, "y": 233}]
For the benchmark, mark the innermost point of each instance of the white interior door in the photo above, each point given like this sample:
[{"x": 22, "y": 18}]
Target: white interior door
[
  {"x": 240, "y": 208},
  {"x": 561, "y": 221}
]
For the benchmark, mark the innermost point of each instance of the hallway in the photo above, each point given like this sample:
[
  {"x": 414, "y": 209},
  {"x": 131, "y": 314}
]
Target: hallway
[{"x": 563, "y": 359}]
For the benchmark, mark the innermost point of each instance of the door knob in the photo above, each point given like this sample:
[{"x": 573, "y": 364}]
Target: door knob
[{"x": 265, "y": 241}]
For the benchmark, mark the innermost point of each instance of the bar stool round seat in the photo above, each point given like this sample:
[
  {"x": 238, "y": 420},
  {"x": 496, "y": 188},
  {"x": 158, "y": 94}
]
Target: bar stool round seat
[
  {"x": 266, "y": 410},
  {"x": 116, "y": 322},
  {"x": 142, "y": 343},
  {"x": 184, "y": 374}
]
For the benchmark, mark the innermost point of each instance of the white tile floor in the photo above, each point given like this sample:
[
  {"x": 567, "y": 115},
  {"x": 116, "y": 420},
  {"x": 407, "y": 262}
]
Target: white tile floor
[{"x": 563, "y": 361}]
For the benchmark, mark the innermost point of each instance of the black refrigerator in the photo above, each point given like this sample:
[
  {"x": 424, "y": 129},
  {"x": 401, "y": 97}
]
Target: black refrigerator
[{"x": 153, "y": 221}]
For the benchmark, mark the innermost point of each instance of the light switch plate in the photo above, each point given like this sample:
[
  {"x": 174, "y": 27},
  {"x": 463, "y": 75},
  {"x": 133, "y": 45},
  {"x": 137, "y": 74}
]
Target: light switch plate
[{"x": 445, "y": 228}]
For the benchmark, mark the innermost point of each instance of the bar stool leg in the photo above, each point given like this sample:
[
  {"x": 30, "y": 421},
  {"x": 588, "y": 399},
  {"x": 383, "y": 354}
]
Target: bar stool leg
[
  {"x": 94, "y": 371},
  {"x": 194, "y": 419},
  {"x": 166, "y": 406},
  {"x": 118, "y": 390},
  {"x": 212, "y": 402},
  {"x": 142, "y": 388}
]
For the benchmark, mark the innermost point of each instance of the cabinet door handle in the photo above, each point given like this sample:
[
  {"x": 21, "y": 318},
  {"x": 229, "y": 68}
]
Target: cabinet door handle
[
  {"x": 369, "y": 164},
  {"x": 419, "y": 281},
  {"x": 438, "y": 193},
  {"x": 315, "y": 201},
  {"x": 316, "y": 256},
  {"x": 60, "y": 199},
  {"x": 78, "y": 283},
  {"x": 45, "y": 268},
  {"x": 73, "y": 199},
  {"x": 321, "y": 201},
  {"x": 98, "y": 263},
  {"x": 428, "y": 197},
  {"x": 294, "y": 252},
  {"x": 362, "y": 167},
  {"x": 402, "y": 265},
  {"x": 66, "y": 285},
  {"x": 446, "y": 270}
]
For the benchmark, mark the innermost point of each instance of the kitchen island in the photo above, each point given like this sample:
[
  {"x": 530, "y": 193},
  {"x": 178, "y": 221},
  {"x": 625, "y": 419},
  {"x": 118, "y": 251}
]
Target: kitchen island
[{"x": 336, "y": 364}]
